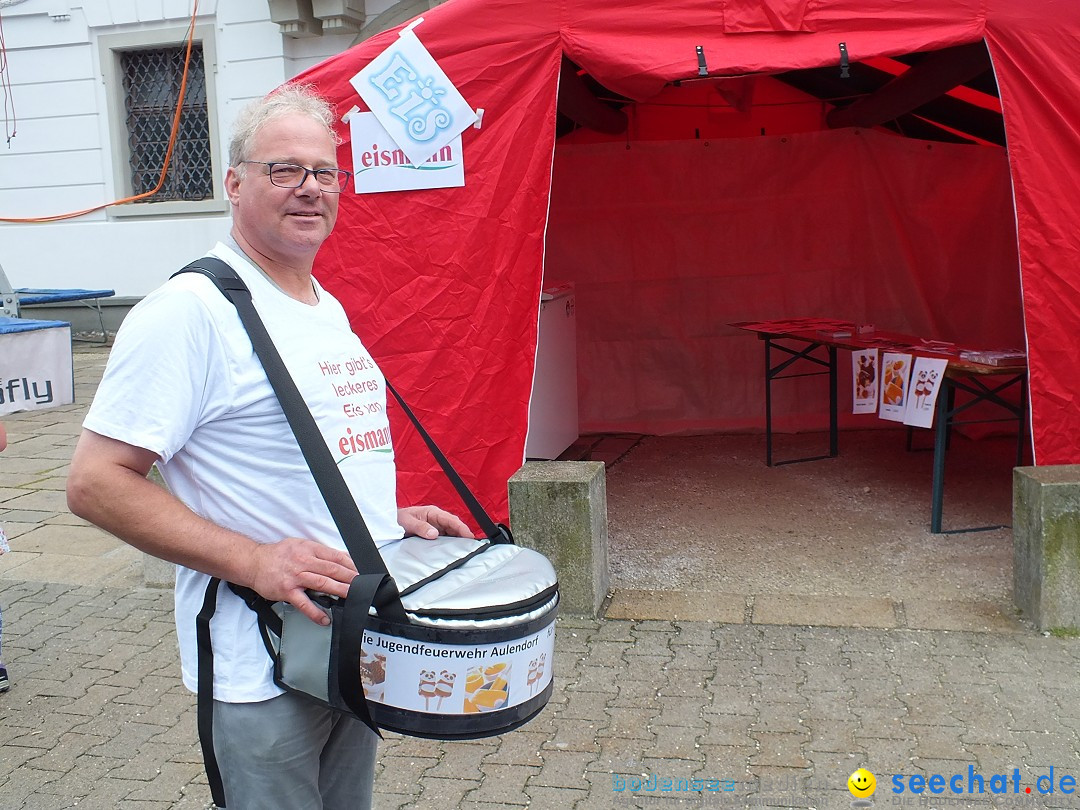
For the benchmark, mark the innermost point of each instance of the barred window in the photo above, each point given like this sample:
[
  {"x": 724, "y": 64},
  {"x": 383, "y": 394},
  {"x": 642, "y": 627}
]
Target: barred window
[{"x": 151, "y": 82}]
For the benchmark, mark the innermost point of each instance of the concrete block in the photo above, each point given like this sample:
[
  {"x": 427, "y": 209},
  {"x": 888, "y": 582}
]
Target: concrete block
[
  {"x": 559, "y": 508},
  {"x": 1046, "y": 545},
  {"x": 158, "y": 573}
]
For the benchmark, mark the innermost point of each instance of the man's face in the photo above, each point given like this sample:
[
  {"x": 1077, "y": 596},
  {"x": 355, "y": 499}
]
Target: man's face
[{"x": 286, "y": 225}]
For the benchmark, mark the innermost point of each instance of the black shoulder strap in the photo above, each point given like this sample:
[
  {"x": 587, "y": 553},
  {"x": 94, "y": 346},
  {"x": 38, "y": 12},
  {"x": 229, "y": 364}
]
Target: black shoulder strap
[
  {"x": 234, "y": 289},
  {"x": 204, "y": 709},
  {"x": 374, "y": 585},
  {"x": 496, "y": 532},
  {"x": 335, "y": 491}
]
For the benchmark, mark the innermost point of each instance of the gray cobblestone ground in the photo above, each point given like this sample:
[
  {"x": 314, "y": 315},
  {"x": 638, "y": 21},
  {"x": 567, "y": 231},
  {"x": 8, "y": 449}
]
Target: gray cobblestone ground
[
  {"x": 761, "y": 714},
  {"x": 97, "y": 718}
]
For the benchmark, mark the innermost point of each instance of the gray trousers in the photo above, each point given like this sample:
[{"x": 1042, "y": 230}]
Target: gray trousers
[{"x": 291, "y": 754}]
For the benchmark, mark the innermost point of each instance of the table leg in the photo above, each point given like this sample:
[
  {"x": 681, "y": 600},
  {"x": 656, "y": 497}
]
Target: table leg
[
  {"x": 779, "y": 372},
  {"x": 834, "y": 423},
  {"x": 1021, "y": 422},
  {"x": 768, "y": 403},
  {"x": 941, "y": 433}
]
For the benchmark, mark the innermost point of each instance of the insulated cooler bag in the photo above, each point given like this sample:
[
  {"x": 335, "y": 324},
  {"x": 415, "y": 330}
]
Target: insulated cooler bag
[{"x": 473, "y": 658}]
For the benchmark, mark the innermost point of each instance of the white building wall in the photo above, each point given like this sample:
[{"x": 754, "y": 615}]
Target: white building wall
[{"x": 60, "y": 159}]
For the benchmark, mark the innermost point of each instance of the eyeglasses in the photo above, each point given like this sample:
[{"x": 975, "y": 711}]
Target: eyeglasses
[{"x": 290, "y": 175}]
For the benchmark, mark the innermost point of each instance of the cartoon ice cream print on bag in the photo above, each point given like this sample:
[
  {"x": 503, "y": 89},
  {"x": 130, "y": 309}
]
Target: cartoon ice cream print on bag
[
  {"x": 373, "y": 675},
  {"x": 487, "y": 688},
  {"x": 444, "y": 688},
  {"x": 426, "y": 687},
  {"x": 536, "y": 673}
]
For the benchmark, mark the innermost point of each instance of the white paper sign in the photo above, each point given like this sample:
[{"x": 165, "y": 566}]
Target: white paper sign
[
  {"x": 413, "y": 99},
  {"x": 454, "y": 678},
  {"x": 379, "y": 165},
  {"x": 864, "y": 381},
  {"x": 927, "y": 374},
  {"x": 35, "y": 369},
  {"x": 895, "y": 370}
]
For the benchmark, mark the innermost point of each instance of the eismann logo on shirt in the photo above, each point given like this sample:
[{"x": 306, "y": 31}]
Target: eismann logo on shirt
[{"x": 377, "y": 441}]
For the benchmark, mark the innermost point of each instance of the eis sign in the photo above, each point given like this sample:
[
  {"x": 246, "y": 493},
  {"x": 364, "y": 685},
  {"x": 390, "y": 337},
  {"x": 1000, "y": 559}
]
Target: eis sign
[
  {"x": 413, "y": 99},
  {"x": 35, "y": 367}
]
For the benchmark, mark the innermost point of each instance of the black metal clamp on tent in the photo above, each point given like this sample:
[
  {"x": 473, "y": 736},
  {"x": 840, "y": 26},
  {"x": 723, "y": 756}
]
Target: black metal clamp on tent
[
  {"x": 702, "y": 68},
  {"x": 845, "y": 73}
]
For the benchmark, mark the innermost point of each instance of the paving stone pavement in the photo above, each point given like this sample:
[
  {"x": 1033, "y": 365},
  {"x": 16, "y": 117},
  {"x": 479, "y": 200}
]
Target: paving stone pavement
[{"x": 646, "y": 713}]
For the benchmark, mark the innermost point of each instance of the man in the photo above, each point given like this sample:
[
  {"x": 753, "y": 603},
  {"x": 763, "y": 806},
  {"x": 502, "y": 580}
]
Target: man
[{"x": 184, "y": 390}]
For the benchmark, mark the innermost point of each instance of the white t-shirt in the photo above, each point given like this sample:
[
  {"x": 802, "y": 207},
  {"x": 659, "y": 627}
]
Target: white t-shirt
[{"x": 184, "y": 382}]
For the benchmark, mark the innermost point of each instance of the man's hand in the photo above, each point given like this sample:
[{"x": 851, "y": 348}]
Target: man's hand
[
  {"x": 430, "y": 522},
  {"x": 286, "y": 570}
]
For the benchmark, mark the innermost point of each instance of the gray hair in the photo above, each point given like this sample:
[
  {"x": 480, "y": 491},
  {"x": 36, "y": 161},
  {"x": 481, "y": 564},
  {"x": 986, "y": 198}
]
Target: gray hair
[{"x": 291, "y": 100}]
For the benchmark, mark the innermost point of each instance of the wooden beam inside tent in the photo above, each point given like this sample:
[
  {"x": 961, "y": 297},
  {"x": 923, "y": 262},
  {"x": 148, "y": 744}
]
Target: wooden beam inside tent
[
  {"x": 577, "y": 102},
  {"x": 923, "y": 82}
]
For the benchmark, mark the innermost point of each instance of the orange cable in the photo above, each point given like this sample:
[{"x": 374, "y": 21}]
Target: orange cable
[
  {"x": 168, "y": 150},
  {"x": 5, "y": 87}
]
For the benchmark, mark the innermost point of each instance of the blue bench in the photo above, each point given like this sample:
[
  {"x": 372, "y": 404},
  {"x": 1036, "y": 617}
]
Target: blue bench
[
  {"x": 9, "y": 326},
  {"x": 90, "y": 298},
  {"x": 13, "y": 300}
]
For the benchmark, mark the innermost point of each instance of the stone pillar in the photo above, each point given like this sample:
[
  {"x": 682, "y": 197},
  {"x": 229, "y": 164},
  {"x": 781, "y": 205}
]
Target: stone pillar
[
  {"x": 1046, "y": 545},
  {"x": 157, "y": 573},
  {"x": 559, "y": 508}
]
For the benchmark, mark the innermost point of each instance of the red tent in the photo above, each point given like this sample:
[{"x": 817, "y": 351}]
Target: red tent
[{"x": 725, "y": 198}]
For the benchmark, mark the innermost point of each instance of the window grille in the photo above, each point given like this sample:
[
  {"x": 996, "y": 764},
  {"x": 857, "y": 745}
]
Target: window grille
[{"x": 151, "y": 88}]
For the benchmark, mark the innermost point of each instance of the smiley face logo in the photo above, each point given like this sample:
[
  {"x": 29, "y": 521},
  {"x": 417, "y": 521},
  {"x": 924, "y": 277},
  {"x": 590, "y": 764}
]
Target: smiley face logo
[{"x": 862, "y": 784}]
